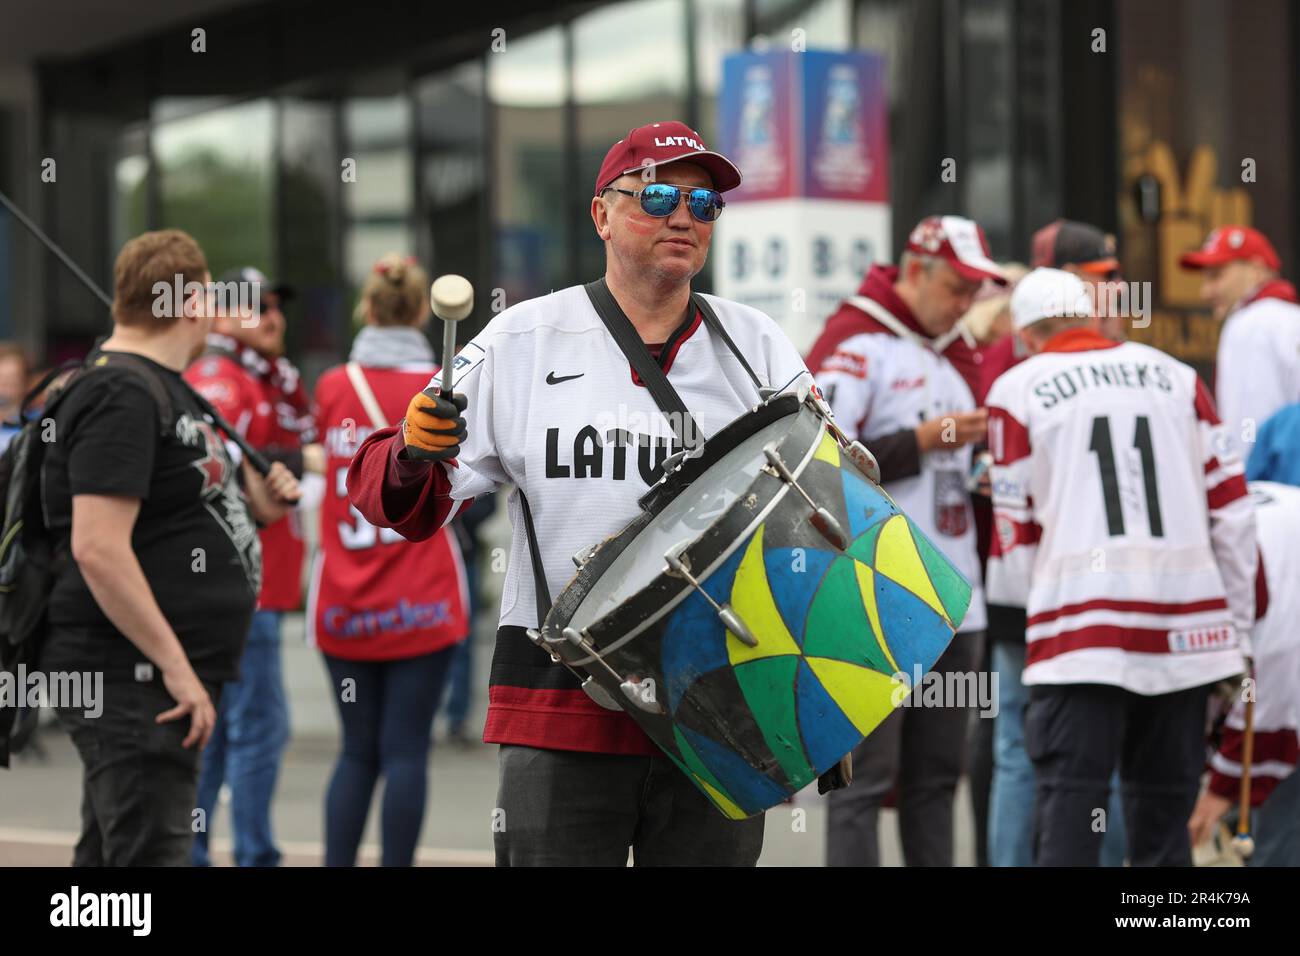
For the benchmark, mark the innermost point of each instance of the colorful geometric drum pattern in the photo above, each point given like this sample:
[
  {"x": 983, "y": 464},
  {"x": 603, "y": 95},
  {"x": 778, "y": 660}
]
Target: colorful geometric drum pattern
[{"x": 832, "y": 629}]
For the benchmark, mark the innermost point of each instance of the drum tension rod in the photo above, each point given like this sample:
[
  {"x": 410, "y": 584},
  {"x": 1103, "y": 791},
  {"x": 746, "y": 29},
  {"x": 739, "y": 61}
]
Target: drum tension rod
[
  {"x": 542, "y": 641},
  {"x": 854, "y": 450},
  {"x": 596, "y": 691},
  {"x": 677, "y": 459},
  {"x": 641, "y": 696},
  {"x": 730, "y": 619},
  {"x": 821, "y": 519},
  {"x": 857, "y": 453},
  {"x": 593, "y": 690}
]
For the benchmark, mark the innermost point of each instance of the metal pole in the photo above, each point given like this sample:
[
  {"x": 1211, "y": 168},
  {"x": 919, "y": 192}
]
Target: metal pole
[{"x": 49, "y": 243}]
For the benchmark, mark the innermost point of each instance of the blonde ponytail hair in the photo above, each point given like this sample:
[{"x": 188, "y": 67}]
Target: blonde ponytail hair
[{"x": 395, "y": 293}]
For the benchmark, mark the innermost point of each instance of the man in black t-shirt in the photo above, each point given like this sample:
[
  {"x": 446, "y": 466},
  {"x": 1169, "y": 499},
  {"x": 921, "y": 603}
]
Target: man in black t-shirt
[{"x": 161, "y": 561}]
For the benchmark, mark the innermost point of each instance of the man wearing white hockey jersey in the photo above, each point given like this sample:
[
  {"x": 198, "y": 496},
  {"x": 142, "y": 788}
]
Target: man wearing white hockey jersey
[
  {"x": 899, "y": 377},
  {"x": 1257, "y": 371},
  {"x": 546, "y": 400},
  {"x": 1123, "y": 526},
  {"x": 1275, "y": 641}
]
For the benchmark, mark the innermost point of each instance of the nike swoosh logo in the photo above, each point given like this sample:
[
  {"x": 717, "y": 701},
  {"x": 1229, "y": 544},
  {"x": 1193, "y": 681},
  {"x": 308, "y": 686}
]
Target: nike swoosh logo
[{"x": 554, "y": 379}]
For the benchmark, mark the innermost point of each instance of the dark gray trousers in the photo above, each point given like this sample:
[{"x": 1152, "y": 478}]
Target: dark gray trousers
[
  {"x": 138, "y": 782},
  {"x": 566, "y": 808},
  {"x": 1077, "y": 734},
  {"x": 918, "y": 750}
]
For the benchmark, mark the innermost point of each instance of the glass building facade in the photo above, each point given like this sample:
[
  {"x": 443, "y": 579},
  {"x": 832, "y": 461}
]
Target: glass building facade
[{"x": 308, "y": 141}]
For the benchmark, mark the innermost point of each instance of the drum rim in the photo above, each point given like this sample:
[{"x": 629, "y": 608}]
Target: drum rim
[
  {"x": 658, "y": 495},
  {"x": 677, "y": 590}
]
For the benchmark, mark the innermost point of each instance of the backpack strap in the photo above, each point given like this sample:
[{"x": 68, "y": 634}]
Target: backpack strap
[
  {"x": 166, "y": 409},
  {"x": 82, "y": 370},
  {"x": 35, "y": 392}
]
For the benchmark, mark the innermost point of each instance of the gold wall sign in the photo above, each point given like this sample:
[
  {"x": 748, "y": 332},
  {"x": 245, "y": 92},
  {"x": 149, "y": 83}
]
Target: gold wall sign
[{"x": 1187, "y": 210}]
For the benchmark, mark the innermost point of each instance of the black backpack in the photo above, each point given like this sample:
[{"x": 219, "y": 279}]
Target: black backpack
[{"x": 28, "y": 559}]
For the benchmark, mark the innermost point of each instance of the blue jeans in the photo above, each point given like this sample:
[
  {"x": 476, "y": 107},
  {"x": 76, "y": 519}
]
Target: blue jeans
[
  {"x": 244, "y": 750},
  {"x": 1011, "y": 802},
  {"x": 459, "y": 679},
  {"x": 456, "y": 705},
  {"x": 387, "y": 714}
]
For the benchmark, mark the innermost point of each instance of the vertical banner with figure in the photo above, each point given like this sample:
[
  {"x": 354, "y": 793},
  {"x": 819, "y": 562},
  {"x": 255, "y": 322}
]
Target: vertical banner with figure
[{"x": 809, "y": 133}]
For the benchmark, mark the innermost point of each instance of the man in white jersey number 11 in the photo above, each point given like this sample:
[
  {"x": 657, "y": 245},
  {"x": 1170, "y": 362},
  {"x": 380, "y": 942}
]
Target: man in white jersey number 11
[{"x": 1122, "y": 525}]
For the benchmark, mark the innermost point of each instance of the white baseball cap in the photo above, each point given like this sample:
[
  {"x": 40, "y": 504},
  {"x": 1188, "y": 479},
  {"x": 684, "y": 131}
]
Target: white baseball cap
[
  {"x": 958, "y": 241},
  {"x": 1048, "y": 294}
]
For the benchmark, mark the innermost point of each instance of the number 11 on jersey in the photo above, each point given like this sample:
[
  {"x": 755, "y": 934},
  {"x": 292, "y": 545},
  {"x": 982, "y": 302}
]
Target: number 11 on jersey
[{"x": 1103, "y": 447}]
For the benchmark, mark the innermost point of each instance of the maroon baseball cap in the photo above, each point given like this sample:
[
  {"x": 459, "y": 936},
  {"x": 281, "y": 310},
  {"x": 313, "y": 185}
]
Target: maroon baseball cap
[
  {"x": 959, "y": 242},
  {"x": 661, "y": 143},
  {"x": 1229, "y": 243}
]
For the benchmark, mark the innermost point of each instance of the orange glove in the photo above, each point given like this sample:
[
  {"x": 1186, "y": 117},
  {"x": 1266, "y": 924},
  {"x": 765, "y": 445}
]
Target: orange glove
[{"x": 433, "y": 428}]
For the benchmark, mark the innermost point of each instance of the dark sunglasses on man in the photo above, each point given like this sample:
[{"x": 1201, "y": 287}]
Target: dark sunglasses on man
[{"x": 661, "y": 199}]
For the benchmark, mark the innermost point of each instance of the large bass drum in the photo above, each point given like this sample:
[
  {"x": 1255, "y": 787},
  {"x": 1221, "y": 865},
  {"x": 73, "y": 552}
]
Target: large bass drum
[{"x": 764, "y": 612}]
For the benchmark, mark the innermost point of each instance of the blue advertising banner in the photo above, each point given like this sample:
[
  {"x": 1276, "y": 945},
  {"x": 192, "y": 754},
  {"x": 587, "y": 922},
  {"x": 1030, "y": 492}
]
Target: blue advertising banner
[{"x": 809, "y": 132}]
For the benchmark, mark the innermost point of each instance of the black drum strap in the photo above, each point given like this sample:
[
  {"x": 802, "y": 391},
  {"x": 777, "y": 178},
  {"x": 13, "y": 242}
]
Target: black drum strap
[
  {"x": 625, "y": 334},
  {"x": 539, "y": 570},
  {"x": 715, "y": 326},
  {"x": 650, "y": 372}
]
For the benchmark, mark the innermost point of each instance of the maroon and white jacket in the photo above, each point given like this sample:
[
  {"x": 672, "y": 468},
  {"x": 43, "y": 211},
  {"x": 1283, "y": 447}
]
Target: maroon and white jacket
[
  {"x": 1276, "y": 643},
  {"x": 883, "y": 376}
]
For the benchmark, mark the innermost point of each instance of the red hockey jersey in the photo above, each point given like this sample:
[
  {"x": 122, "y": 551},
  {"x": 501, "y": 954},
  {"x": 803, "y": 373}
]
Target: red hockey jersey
[
  {"x": 375, "y": 595},
  {"x": 266, "y": 404}
]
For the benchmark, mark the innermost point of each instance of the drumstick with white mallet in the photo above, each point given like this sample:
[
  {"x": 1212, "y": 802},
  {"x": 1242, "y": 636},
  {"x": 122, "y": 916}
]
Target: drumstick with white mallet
[{"x": 452, "y": 298}]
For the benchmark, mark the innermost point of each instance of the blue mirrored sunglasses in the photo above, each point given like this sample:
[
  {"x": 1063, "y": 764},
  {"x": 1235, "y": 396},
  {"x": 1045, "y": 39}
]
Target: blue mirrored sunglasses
[{"x": 660, "y": 199}]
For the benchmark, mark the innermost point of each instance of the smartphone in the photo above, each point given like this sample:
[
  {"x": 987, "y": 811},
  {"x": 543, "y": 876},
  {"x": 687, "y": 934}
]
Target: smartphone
[{"x": 981, "y": 463}]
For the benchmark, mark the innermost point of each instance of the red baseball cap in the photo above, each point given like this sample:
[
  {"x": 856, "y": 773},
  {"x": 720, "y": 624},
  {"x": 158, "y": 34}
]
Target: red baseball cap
[
  {"x": 661, "y": 143},
  {"x": 959, "y": 242},
  {"x": 1229, "y": 243}
]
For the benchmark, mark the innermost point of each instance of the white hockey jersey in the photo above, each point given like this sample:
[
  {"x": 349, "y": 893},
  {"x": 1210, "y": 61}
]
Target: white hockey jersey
[
  {"x": 1258, "y": 368},
  {"x": 1276, "y": 645},
  {"x": 554, "y": 410},
  {"x": 878, "y": 383},
  {"x": 1121, "y": 519}
]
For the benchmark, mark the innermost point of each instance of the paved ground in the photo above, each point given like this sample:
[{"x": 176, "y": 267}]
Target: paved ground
[{"x": 39, "y": 799}]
